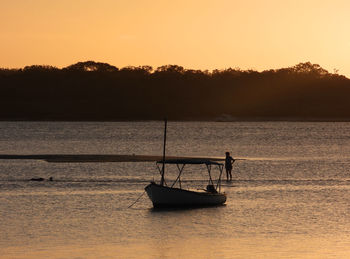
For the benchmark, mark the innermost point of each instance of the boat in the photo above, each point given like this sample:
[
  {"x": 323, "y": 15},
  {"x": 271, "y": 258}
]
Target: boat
[{"x": 163, "y": 195}]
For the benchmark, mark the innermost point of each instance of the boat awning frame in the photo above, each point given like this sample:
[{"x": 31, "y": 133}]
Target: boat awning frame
[{"x": 193, "y": 161}]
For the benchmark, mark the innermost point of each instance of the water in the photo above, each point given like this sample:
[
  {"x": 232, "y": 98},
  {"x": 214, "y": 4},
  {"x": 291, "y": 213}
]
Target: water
[{"x": 290, "y": 198}]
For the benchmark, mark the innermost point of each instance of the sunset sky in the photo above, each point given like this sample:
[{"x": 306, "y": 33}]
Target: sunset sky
[{"x": 203, "y": 34}]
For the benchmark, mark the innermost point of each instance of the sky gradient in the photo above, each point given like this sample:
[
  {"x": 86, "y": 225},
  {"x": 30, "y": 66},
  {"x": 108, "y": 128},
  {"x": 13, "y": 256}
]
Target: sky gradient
[{"x": 249, "y": 34}]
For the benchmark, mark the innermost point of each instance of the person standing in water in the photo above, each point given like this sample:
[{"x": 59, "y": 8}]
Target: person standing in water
[{"x": 228, "y": 166}]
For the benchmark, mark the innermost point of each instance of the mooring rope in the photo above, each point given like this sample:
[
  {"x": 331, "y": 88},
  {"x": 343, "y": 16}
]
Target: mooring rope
[{"x": 136, "y": 200}]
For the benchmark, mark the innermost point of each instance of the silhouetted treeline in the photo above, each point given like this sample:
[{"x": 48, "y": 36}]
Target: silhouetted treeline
[{"x": 99, "y": 91}]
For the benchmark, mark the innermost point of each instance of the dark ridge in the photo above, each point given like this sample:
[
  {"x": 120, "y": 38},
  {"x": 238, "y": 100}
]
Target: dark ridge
[{"x": 92, "y": 91}]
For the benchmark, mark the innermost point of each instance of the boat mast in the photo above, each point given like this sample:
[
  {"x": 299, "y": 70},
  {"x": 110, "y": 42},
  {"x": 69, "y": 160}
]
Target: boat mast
[{"x": 164, "y": 144}]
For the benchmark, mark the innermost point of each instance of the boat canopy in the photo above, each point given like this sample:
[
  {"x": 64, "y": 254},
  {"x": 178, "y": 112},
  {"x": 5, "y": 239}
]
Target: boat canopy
[
  {"x": 180, "y": 163},
  {"x": 190, "y": 161}
]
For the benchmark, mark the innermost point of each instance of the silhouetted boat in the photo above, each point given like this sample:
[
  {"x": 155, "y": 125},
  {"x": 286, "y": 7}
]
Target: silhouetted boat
[
  {"x": 170, "y": 196},
  {"x": 162, "y": 195}
]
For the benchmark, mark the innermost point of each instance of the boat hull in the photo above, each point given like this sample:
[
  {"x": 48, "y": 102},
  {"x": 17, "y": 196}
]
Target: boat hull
[{"x": 163, "y": 196}]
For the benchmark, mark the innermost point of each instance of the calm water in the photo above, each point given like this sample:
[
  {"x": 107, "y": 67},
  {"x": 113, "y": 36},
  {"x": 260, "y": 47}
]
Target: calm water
[{"x": 289, "y": 199}]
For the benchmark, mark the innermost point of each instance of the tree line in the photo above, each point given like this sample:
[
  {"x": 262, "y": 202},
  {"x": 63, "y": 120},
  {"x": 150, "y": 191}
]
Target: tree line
[{"x": 99, "y": 91}]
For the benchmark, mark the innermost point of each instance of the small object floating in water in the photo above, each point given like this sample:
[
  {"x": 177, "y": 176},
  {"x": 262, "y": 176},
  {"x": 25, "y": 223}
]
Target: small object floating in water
[{"x": 39, "y": 179}]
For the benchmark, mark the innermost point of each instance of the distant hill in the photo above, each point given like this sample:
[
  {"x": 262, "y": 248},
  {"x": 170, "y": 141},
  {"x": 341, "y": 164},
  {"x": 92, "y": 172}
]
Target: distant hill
[{"x": 99, "y": 91}]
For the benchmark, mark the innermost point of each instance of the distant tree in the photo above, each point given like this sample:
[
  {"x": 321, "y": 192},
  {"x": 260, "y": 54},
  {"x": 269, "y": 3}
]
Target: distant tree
[
  {"x": 39, "y": 68},
  {"x": 309, "y": 68},
  {"x": 136, "y": 72},
  {"x": 88, "y": 66},
  {"x": 6, "y": 71},
  {"x": 147, "y": 69},
  {"x": 170, "y": 69},
  {"x": 229, "y": 72},
  {"x": 144, "y": 69}
]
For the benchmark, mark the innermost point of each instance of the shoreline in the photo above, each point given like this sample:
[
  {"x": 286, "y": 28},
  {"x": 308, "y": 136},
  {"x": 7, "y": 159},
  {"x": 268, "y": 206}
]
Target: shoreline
[{"x": 254, "y": 119}]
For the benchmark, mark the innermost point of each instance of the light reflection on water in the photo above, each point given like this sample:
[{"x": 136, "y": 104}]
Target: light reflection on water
[{"x": 290, "y": 199}]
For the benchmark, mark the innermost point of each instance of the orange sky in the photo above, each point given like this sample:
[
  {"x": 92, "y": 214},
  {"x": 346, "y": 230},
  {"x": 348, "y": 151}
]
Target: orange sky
[{"x": 203, "y": 34}]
